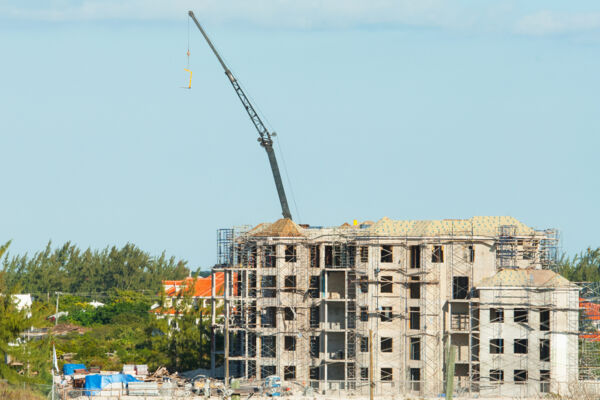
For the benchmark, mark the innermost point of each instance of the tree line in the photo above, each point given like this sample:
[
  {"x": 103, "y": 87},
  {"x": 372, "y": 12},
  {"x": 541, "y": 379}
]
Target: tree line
[
  {"x": 582, "y": 267},
  {"x": 68, "y": 268}
]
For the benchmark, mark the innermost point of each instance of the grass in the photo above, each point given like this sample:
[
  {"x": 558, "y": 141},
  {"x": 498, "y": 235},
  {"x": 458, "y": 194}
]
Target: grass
[{"x": 9, "y": 392}]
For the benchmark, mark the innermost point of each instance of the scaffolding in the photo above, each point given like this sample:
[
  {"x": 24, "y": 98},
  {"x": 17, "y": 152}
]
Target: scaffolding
[{"x": 303, "y": 307}]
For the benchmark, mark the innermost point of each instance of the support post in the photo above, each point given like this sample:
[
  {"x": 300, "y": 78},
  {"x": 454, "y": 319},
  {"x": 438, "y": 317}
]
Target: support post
[
  {"x": 213, "y": 306},
  {"x": 451, "y": 354},
  {"x": 226, "y": 349},
  {"x": 56, "y": 313},
  {"x": 371, "y": 383}
]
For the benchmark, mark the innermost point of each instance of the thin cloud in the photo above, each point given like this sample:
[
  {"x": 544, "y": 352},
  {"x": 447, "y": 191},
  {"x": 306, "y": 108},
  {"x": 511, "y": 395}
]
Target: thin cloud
[
  {"x": 552, "y": 23},
  {"x": 315, "y": 14}
]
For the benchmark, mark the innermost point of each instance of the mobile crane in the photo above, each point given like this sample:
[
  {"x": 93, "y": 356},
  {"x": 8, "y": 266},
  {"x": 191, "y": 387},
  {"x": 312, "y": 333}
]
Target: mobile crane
[{"x": 265, "y": 138}]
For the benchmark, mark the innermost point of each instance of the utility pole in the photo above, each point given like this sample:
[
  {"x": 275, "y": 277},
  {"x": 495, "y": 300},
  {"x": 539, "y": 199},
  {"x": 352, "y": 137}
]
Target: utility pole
[
  {"x": 450, "y": 362},
  {"x": 56, "y": 314},
  {"x": 371, "y": 383},
  {"x": 226, "y": 302}
]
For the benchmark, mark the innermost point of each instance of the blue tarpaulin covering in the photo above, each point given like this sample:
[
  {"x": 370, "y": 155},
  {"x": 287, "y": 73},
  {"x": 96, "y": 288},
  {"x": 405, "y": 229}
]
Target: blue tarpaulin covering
[
  {"x": 68, "y": 369},
  {"x": 95, "y": 383}
]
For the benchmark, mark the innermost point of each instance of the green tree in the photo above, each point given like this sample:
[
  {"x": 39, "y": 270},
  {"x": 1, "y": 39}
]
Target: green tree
[
  {"x": 68, "y": 269},
  {"x": 583, "y": 267},
  {"x": 12, "y": 323}
]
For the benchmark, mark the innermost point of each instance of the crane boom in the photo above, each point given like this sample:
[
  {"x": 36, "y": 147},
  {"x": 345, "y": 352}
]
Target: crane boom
[{"x": 265, "y": 139}]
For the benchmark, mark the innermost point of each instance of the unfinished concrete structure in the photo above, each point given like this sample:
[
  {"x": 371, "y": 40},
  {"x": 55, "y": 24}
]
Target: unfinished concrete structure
[{"x": 334, "y": 308}]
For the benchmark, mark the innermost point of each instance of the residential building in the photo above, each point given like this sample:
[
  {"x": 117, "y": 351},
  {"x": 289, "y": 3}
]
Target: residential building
[{"x": 318, "y": 305}]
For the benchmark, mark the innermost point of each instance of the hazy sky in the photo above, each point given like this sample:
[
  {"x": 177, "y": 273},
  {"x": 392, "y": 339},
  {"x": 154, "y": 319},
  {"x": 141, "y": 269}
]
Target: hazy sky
[{"x": 416, "y": 109}]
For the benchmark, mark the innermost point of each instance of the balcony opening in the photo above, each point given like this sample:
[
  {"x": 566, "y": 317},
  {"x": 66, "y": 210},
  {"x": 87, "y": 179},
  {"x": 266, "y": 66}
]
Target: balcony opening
[
  {"x": 267, "y": 370},
  {"x": 544, "y": 349},
  {"x": 336, "y": 345},
  {"x": 387, "y": 374},
  {"x": 386, "y": 314},
  {"x": 460, "y": 287},
  {"x": 386, "y": 284},
  {"x": 545, "y": 381},
  {"x": 289, "y": 282},
  {"x": 496, "y": 346},
  {"x": 364, "y": 374},
  {"x": 521, "y": 315},
  {"x": 315, "y": 346},
  {"x": 315, "y": 256},
  {"x": 336, "y": 285},
  {"x": 497, "y": 376},
  {"x": 315, "y": 316},
  {"x": 363, "y": 284},
  {"x": 414, "y": 287},
  {"x": 268, "y": 346},
  {"x": 268, "y": 317},
  {"x": 364, "y": 344},
  {"x": 414, "y": 375},
  {"x": 415, "y": 348},
  {"x": 415, "y": 256},
  {"x": 289, "y": 314},
  {"x": 386, "y": 344},
  {"x": 314, "y": 374},
  {"x": 289, "y": 373},
  {"x": 415, "y": 318},
  {"x": 364, "y": 314},
  {"x": 387, "y": 256},
  {"x": 289, "y": 343},
  {"x": 497, "y": 315},
  {"x": 269, "y": 256},
  {"x": 364, "y": 254},
  {"x": 520, "y": 346},
  {"x": 437, "y": 255},
  {"x": 520, "y": 376},
  {"x": 268, "y": 285},
  {"x": 290, "y": 254},
  {"x": 544, "y": 320},
  {"x": 314, "y": 286}
]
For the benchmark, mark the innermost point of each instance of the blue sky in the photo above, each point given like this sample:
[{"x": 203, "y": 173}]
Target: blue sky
[{"x": 408, "y": 109}]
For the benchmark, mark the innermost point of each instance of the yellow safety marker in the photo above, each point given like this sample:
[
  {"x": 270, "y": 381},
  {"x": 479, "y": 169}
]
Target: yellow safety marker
[{"x": 190, "y": 85}]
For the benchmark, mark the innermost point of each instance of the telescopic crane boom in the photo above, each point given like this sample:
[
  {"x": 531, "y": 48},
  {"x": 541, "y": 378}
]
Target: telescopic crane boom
[{"x": 265, "y": 139}]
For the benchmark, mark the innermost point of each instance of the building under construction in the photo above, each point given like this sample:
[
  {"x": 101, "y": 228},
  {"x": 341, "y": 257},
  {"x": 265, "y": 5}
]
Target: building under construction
[{"x": 398, "y": 306}]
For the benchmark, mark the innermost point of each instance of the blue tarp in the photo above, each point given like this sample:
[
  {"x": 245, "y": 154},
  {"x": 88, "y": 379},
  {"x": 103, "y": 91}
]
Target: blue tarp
[
  {"x": 95, "y": 383},
  {"x": 68, "y": 369}
]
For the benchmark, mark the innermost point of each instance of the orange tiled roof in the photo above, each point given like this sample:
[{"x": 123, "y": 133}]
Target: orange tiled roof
[
  {"x": 160, "y": 310},
  {"x": 592, "y": 310},
  {"x": 199, "y": 287},
  {"x": 592, "y": 337}
]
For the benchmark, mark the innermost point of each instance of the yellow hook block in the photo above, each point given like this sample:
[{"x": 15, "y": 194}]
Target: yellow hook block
[{"x": 190, "y": 85}]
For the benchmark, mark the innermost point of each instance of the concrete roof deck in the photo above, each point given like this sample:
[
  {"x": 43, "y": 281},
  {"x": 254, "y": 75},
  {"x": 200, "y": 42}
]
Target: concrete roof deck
[
  {"x": 481, "y": 226},
  {"x": 537, "y": 278}
]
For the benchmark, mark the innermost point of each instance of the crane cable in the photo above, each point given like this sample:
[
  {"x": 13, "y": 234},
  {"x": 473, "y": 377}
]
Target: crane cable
[
  {"x": 188, "y": 56},
  {"x": 268, "y": 123},
  {"x": 188, "y": 43},
  {"x": 288, "y": 179}
]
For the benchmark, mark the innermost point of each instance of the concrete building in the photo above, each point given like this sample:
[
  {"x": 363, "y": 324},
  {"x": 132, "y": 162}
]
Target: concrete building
[
  {"x": 389, "y": 301},
  {"x": 528, "y": 333}
]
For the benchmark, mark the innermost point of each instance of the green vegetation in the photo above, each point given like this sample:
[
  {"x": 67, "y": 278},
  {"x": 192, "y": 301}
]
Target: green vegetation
[
  {"x": 123, "y": 331},
  {"x": 69, "y": 269},
  {"x": 583, "y": 267},
  {"x": 8, "y": 392}
]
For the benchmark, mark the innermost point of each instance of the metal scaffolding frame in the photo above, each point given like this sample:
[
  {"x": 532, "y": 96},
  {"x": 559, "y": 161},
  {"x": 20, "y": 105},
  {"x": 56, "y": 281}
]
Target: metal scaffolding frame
[{"x": 287, "y": 298}]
